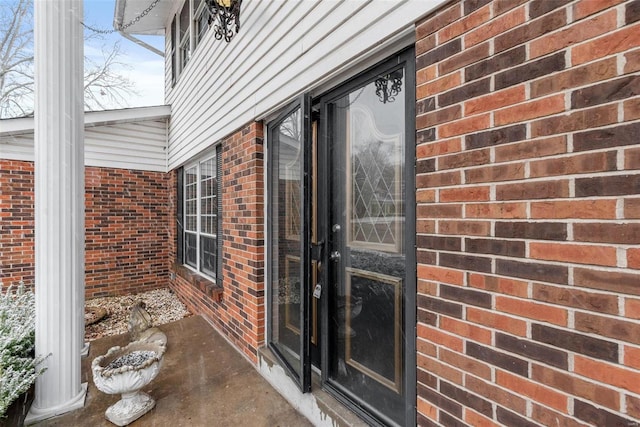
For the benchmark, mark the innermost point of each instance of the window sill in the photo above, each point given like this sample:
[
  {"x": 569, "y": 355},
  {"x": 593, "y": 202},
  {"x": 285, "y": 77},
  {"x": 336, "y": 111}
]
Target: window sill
[{"x": 206, "y": 286}]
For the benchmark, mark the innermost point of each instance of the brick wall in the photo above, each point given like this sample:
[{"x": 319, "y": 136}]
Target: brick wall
[
  {"x": 528, "y": 213},
  {"x": 127, "y": 217},
  {"x": 239, "y": 310},
  {"x": 16, "y": 222},
  {"x": 126, "y": 228}
]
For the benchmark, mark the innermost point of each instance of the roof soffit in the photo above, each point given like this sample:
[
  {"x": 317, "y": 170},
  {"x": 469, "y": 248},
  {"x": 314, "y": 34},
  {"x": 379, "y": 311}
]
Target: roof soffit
[{"x": 153, "y": 23}]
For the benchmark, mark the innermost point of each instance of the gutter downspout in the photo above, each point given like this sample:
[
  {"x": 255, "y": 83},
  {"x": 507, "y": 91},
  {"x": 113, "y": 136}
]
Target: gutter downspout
[{"x": 117, "y": 24}]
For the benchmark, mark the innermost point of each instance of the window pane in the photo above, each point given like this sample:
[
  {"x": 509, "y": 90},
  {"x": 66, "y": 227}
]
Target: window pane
[
  {"x": 184, "y": 21},
  {"x": 191, "y": 175},
  {"x": 190, "y": 207},
  {"x": 209, "y": 224},
  {"x": 190, "y": 200},
  {"x": 190, "y": 250},
  {"x": 208, "y": 255},
  {"x": 174, "y": 45},
  {"x": 201, "y": 216},
  {"x": 191, "y": 223},
  {"x": 202, "y": 24},
  {"x": 184, "y": 52},
  {"x": 185, "y": 44},
  {"x": 208, "y": 169},
  {"x": 209, "y": 206},
  {"x": 173, "y": 34},
  {"x": 208, "y": 201}
]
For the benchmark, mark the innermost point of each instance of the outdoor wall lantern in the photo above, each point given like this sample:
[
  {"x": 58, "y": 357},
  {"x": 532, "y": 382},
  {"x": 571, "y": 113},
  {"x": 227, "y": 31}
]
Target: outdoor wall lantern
[
  {"x": 228, "y": 14},
  {"x": 389, "y": 86}
]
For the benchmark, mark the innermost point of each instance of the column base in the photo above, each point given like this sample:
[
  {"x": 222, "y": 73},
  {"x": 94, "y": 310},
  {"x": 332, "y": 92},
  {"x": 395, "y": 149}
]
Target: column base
[{"x": 37, "y": 414}]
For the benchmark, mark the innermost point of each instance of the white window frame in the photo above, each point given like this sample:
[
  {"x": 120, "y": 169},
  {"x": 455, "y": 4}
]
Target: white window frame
[
  {"x": 174, "y": 41},
  {"x": 184, "y": 53},
  {"x": 199, "y": 233},
  {"x": 198, "y": 33},
  {"x": 184, "y": 46}
]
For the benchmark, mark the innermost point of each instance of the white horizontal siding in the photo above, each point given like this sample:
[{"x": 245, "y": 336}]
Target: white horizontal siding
[
  {"x": 137, "y": 145},
  {"x": 283, "y": 49}
]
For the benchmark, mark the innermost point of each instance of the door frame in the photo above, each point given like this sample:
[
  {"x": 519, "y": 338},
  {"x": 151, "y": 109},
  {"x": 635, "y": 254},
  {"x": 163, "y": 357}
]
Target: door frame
[
  {"x": 406, "y": 58},
  {"x": 303, "y": 380}
]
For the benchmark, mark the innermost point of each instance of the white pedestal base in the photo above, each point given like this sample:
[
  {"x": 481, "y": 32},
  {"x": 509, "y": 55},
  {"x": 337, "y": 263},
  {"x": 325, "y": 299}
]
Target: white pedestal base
[
  {"x": 128, "y": 409},
  {"x": 37, "y": 414}
]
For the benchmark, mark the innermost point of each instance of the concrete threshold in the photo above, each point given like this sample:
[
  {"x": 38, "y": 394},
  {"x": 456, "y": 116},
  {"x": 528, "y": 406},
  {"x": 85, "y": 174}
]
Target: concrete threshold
[{"x": 319, "y": 407}]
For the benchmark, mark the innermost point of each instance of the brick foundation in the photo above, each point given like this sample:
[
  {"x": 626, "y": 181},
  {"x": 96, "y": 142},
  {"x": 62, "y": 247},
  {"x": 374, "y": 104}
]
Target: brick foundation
[
  {"x": 239, "y": 312},
  {"x": 527, "y": 217},
  {"x": 126, "y": 228}
]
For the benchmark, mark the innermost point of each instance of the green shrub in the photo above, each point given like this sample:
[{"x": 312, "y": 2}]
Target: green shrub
[{"x": 18, "y": 366}]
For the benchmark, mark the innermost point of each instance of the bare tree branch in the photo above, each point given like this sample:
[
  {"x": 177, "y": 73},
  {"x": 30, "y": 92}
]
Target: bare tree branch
[{"x": 105, "y": 86}]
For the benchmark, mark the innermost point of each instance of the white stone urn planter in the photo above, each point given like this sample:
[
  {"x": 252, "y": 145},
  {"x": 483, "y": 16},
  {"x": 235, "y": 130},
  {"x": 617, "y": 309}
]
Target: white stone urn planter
[{"x": 125, "y": 370}]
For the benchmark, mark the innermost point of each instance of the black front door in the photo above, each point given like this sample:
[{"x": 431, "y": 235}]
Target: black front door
[
  {"x": 341, "y": 224},
  {"x": 370, "y": 234}
]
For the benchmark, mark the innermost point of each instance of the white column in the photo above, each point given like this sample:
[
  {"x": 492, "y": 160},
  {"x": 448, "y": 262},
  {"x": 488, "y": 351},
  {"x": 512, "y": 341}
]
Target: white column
[{"x": 59, "y": 205}]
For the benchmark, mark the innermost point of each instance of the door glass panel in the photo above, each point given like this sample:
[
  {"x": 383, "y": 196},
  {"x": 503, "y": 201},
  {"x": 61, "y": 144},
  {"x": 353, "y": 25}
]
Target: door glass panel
[
  {"x": 286, "y": 249},
  {"x": 366, "y": 337}
]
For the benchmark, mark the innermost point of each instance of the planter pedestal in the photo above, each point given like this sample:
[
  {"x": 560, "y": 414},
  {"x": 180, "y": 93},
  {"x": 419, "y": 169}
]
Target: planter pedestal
[
  {"x": 127, "y": 380},
  {"x": 131, "y": 407}
]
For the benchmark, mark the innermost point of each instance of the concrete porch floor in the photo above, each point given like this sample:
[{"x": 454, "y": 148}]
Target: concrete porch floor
[{"x": 204, "y": 381}]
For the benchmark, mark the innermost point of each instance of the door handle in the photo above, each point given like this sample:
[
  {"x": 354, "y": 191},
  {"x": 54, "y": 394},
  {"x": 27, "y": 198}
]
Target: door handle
[{"x": 334, "y": 256}]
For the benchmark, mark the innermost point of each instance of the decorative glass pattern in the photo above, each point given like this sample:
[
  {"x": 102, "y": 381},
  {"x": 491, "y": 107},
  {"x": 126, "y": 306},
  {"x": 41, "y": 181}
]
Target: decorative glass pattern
[
  {"x": 292, "y": 195},
  {"x": 375, "y": 153},
  {"x": 376, "y": 192}
]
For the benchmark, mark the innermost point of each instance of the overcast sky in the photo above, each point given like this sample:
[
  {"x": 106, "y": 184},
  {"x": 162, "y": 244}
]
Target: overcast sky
[{"x": 146, "y": 68}]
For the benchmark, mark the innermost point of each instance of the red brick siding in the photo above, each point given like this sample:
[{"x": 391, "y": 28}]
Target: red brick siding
[
  {"x": 528, "y": 214},
  {"x": 240, "y": 312},
  {"x": 16, "y": 222},
  {"x": 126, "y": 215}
]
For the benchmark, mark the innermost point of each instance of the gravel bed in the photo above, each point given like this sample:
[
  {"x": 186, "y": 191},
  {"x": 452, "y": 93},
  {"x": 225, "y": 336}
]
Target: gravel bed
[
  {"x": 162, "y": 304},
  {"x": 133, "y": 359}
]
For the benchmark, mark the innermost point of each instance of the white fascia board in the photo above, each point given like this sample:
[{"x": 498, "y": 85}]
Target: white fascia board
[
  {"x": 24, "y": 125},
  {"x": 19, "y": 126},
  {"x": 126, "y": 115}
]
